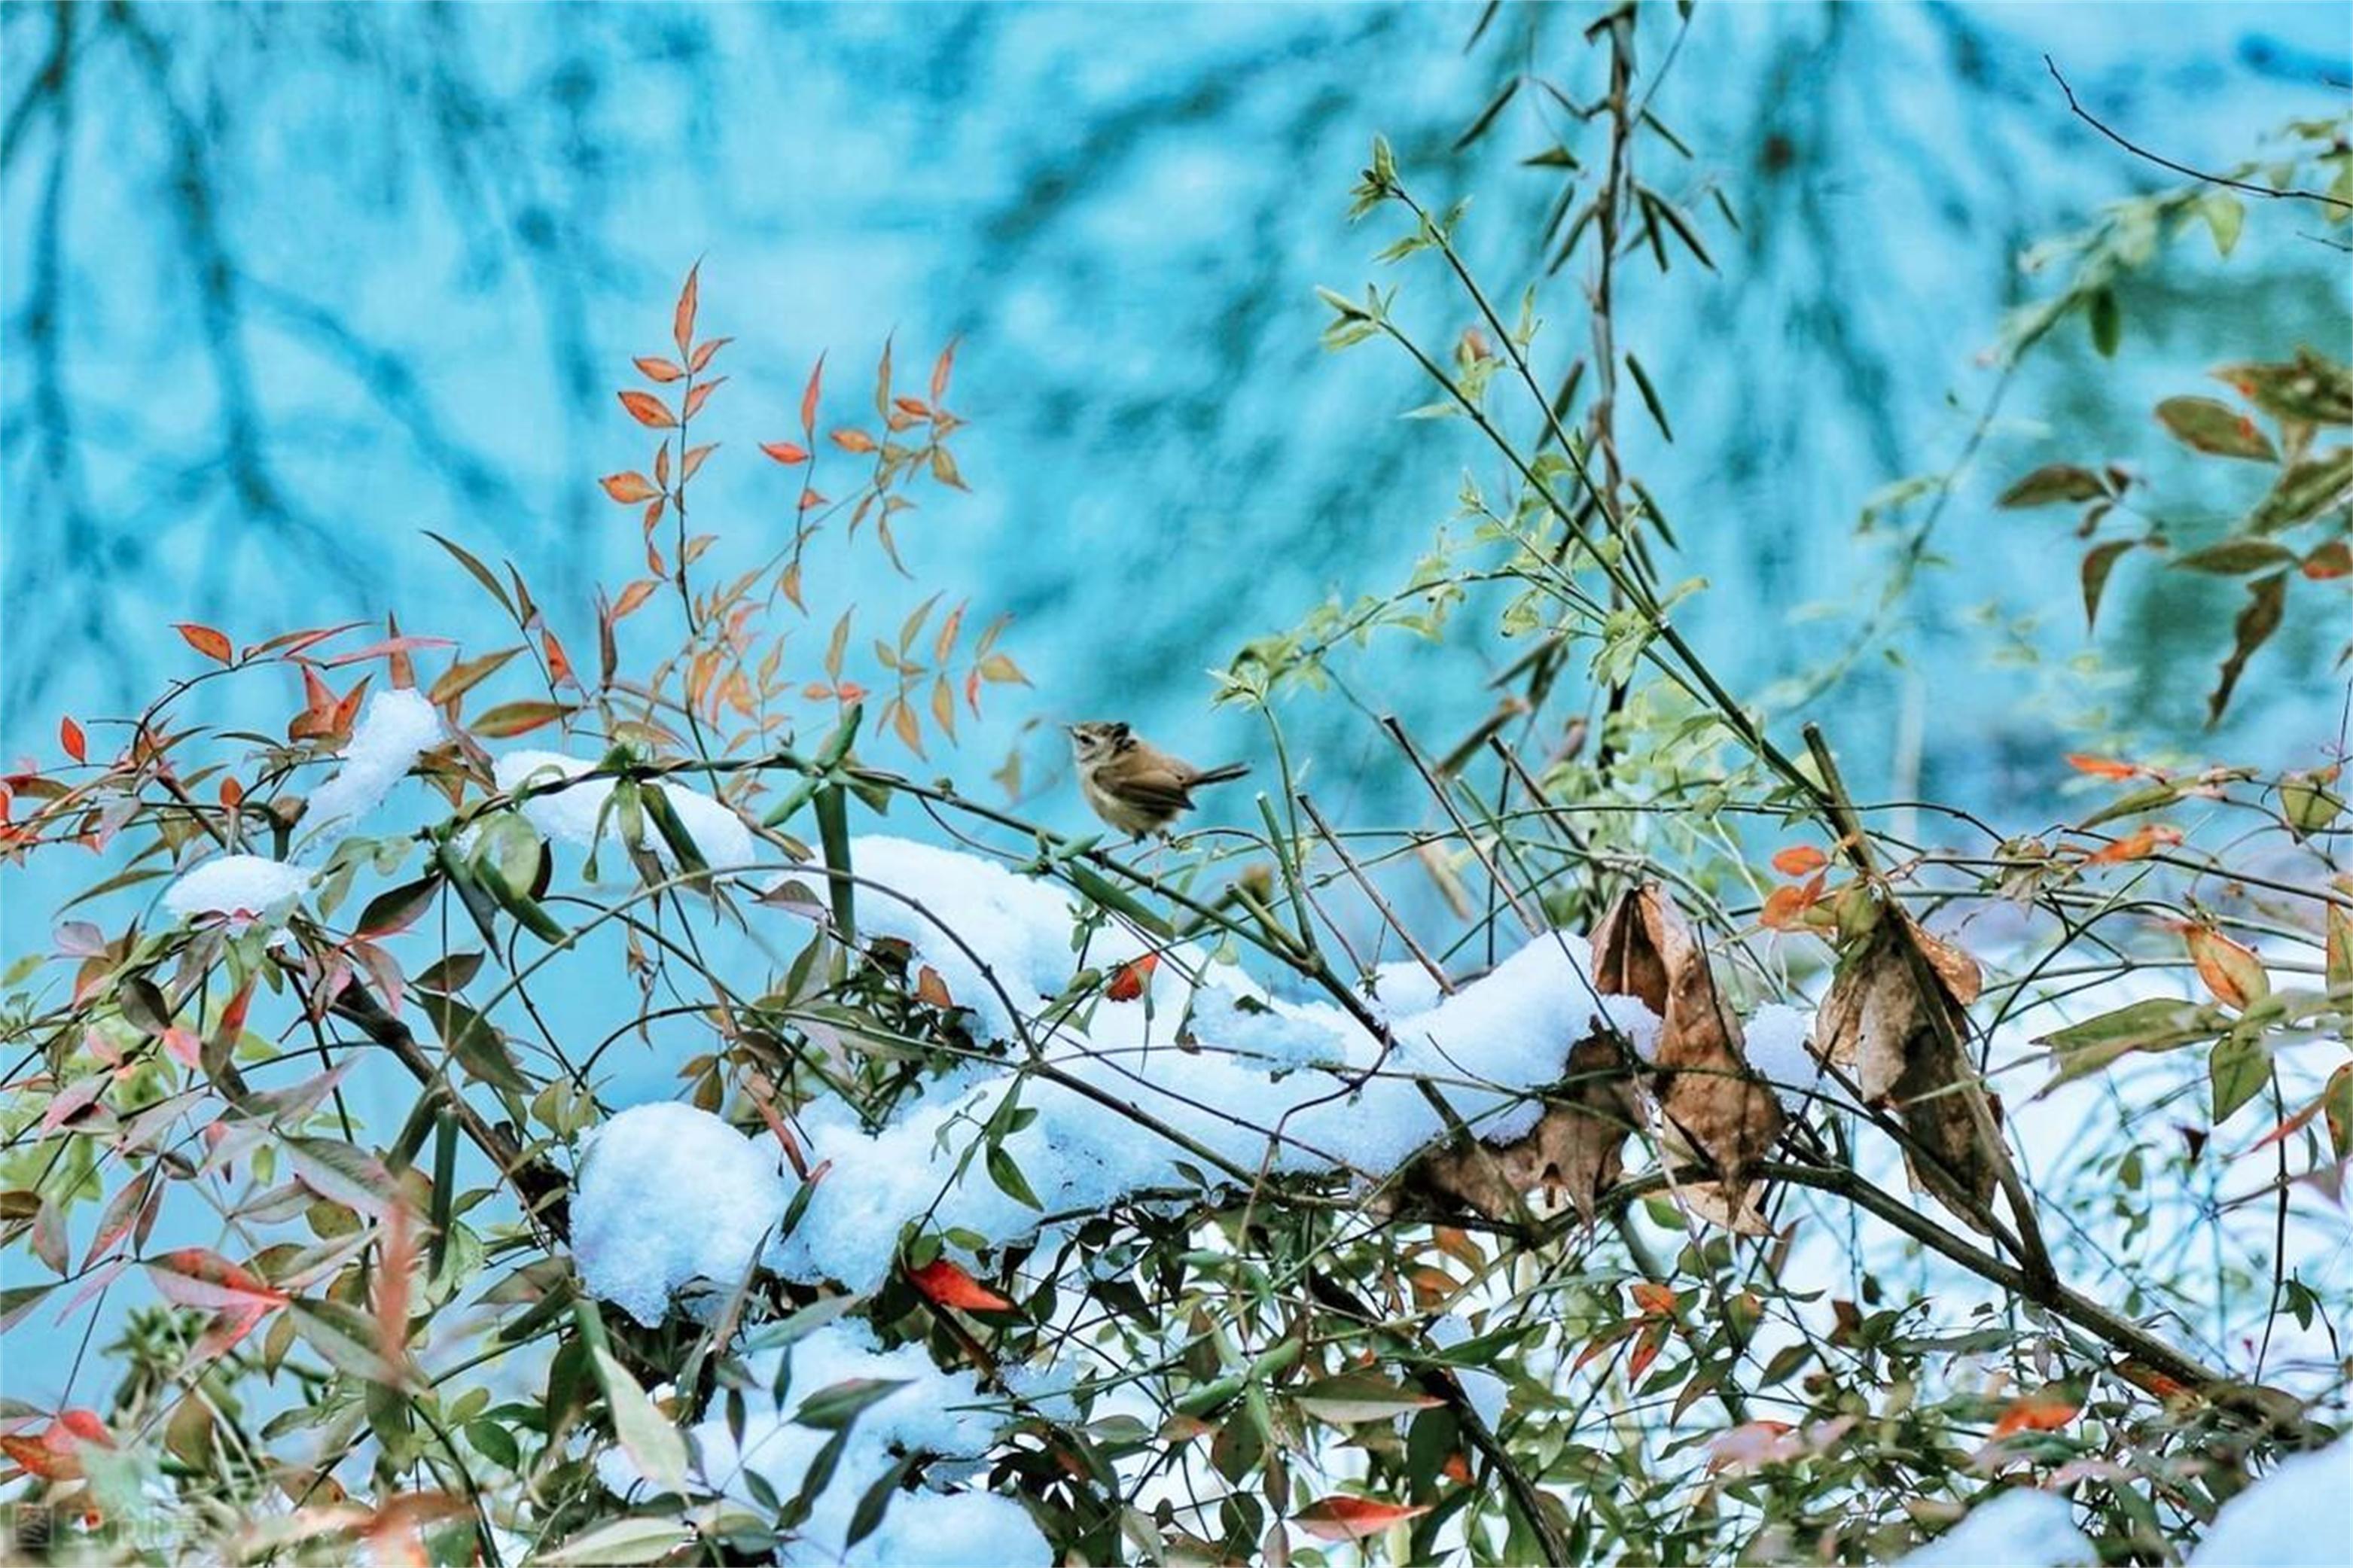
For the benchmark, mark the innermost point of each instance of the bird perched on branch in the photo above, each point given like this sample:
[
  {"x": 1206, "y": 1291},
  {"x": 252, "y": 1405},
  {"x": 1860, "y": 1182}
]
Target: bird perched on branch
[{"x": 1134, "y": 786}]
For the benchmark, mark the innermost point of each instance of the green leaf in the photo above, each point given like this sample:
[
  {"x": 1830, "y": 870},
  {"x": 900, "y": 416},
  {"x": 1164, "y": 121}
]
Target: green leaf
[
  {"x": 2337, "y": 1105},
  {"x": 348, "y": 1339},
  {"x": 2053, "y": 482},
  {"x": 1650, "y": 396},
  {"x": 2237, "y": 1068},
  {"x": 2208, "y": 426},
  {"x": 2098, "y": 562},
  {"x": 2225, "y": 215},
  {"x": 2155, "y": 1024},
  {"x": 645, "y": 1540},
  {"x": 475, "y": 1043},
  {"x": 2235, "y": 557},
  {"x": 647, "y": 1436},
  {"x": 482, "y": 574},
  {"x": 2266, "y": 601},
  {"x": 2107, "y": 319},
  {"x": 399, "y": 909},
  {"x": 2309, "y": 487},
  {"x": 2309, "y": 804},
  {"x": 833, "y": 1408},
  {"x": 2311, "y": 388},
  {"x": 343, "y": 1174},
  {"x": 1357, "y": 1396},
  {"x": 1009, "y": 1179},
  {"x": 2339, "y": 963}
]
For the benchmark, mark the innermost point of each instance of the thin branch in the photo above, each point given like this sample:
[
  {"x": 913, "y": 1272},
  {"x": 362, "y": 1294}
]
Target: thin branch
[{"x": 2289, "y": 194}]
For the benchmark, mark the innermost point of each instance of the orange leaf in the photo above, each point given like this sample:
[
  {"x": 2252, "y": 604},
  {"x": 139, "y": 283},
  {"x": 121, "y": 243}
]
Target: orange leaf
[
  {"x": 940, "y": 370},
  {"x": 944, "y": 1284},
  {"x": 1131, "y": 979},
  {"x": 702, "y": 353},
  {"x": 1646, "y": 1351},
  {"x": 204, "y": 639},
  {"x": 1799, "y": 860},
  {"x": 2332, "y": 560},
  {"x": 1786, "y": 908},
  {"x": 629, "y": 488},
  {"x": 694, "y": 456},
  {"x": 69, "y": 736},
  {"x": 1659, "y": 1301},
  {"x": 632, "y": 596},
  {"x": 809, "y": 394},
  {"x": 853, "y": 440},
  {"x": 647, "y": 410},
  {"x": 1342, "y": 1518},
  {"x": 2100, "y": 767},
  {"x": 784, "y": 452},
  {"x": 559, "y": 667},
  {"x": 658, "y": 369},
  {"x": 2232, "y": 972},
  {"x": 232, "y": 794},
  {"x": 2045, "y": 1411},
  {"x": 701, "y": 395},
  {"x": 682, "y": 328},
  {"x": 2138, "y": 844},
  {"x": 929, "y": 986}
]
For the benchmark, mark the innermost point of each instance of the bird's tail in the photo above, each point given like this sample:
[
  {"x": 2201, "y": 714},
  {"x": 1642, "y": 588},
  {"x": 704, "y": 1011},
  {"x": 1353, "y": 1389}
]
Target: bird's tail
[{"x": 1220, "y": 776}]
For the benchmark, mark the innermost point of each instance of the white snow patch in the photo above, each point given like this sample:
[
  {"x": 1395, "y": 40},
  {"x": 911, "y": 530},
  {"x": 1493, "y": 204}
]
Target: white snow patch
[
  {"x": 1775, "y": 1044},
  {"x": 937, "y": 1413},
  {"x": 394, "y": 727},
  {"x": 234, "y": 884},
  {"x": 2299, "y": 1516},
  {"x": 570, "y": 815},
  {"x": 2022, "y": 1528},
  {"x": 668, "y": 1195}
]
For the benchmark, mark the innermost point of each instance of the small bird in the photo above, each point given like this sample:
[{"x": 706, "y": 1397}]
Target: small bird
[{"x": 1133, "y": 784}]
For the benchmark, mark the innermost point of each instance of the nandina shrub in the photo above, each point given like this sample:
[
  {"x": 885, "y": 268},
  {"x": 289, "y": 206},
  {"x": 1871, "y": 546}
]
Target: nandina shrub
[{"x": 1688, "y": 1189}]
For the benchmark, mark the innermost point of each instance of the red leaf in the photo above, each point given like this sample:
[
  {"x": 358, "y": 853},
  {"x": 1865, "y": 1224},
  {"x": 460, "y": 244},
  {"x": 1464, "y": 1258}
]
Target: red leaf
[
  {"x": 809, "y": 394},
  {"x": 192, "y": 1277},
  {"x": 559, "y": 667},
  {"x": 70, "y": 737},
  {"x": 204, "y": 639},
  {"x": 2332, "y": 560},
  {"x": 681, "y": 329},
  {"x": 2100, "y": 767},
  {"x": 1646, "y": 1351},
  {"x": 1130, "y": 980},
  {"x": 2045, "y": 1411},
  {"x": 944, "y": 1284},
  {"x": 647, "y": 410},
  {"x": 784, "y": 452},
  {"x": 1800, "y": 860},
  {"x": 629, "y": 488},
  {"x": 1346, "y": 1518},
  {"x": 658, "y": 369}
]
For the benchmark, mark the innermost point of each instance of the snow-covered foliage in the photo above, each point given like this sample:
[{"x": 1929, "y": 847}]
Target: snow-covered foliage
[
  {"x": 236, "y": 884},
  {"x": 1121, "y": 1093},
  {"x": 395, "y": 727},
  {"x": 571, "y": 815},
  {"x": 668, "y": 1194},
  {"x": 933, "y": 1413}
]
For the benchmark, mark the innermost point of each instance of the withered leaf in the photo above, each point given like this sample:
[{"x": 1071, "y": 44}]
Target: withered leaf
[
  {"x": 1895, "y": 1018},
  {"x": 1576, "y": 1150},
  {"x": 1709, "y": 1097}
]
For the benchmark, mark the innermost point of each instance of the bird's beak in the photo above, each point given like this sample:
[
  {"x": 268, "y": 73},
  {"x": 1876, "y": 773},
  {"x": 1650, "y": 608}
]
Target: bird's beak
[{"x": 1069, "y": 729}]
